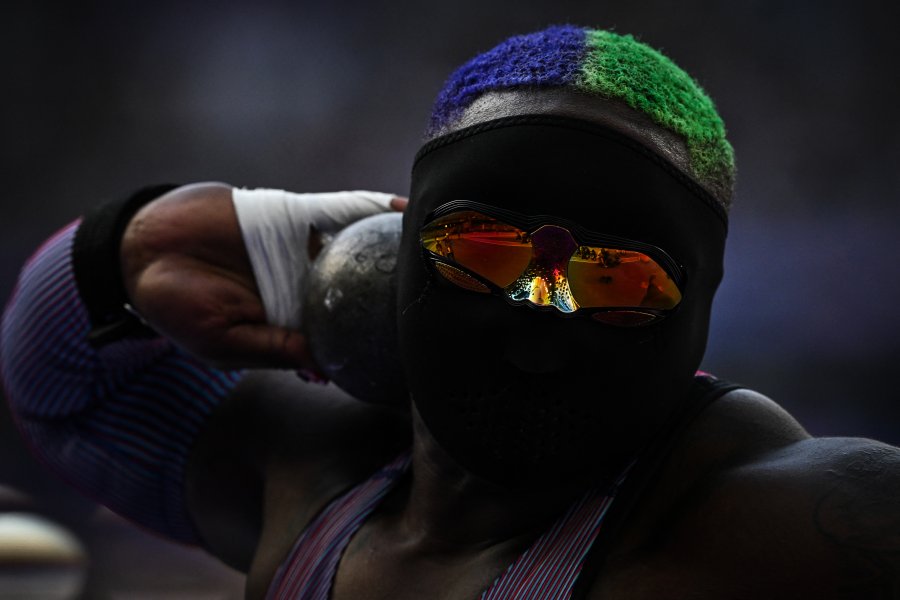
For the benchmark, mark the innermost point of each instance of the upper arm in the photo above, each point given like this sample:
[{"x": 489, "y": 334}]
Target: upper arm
[
  {"x": 858, "y": 512},
  {"x": 275, "y": 450},
  {"x": 826, "y": 511}
]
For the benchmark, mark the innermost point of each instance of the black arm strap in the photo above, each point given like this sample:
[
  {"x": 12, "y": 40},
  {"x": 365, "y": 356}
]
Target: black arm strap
[
  {"x": 645, "y": 472},
  {"x": 98, "y": 272}
]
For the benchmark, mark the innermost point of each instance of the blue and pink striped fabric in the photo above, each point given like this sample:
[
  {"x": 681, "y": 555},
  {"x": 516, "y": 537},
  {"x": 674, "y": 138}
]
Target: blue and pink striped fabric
[
  {"x": 549, "y": 568},
  {"x": 117, "y": 423},
  {"x": 309, "y": 569},
  {"x": 546, "y": 571}
]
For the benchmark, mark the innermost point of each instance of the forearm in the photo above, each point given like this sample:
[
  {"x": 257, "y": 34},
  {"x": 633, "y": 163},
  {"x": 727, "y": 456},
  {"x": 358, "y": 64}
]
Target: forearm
[
  {"x": 115, "y": 417},
  {"x": 114, "y": 406}
]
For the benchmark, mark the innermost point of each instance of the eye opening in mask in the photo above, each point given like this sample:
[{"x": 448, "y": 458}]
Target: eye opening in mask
[{"x": 551, "y": 264}]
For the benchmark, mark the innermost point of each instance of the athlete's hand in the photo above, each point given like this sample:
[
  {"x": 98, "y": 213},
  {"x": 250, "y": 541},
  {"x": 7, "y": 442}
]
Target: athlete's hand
[
  {"x": 187, "y": 272},
  {"x": 279, "y": 230}
]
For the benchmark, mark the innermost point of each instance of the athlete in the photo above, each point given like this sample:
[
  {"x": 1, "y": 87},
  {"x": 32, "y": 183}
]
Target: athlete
[{"x": 561, "y": 247}]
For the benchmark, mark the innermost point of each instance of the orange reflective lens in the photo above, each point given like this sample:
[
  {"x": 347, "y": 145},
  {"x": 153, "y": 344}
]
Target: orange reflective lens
[
  {"x": 611, "y": 277},
  {"x": 496, "y": 251},
  {"x": 548, "y": 267}
]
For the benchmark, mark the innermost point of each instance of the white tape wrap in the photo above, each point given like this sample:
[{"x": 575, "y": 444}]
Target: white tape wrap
[{"x": 275, "y": 225}]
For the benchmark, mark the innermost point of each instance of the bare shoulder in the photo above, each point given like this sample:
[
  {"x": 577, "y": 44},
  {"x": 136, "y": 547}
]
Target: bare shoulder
[
  {"x": 273, "y": 454},
  {"x": 848, "y": 497},
  {"x": 770, "y": 512},
  {"x": 741, "y": 425},
  {"x": 826, "y": 511}
]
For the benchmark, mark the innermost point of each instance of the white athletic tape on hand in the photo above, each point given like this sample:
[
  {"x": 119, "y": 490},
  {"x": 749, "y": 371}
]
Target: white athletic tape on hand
[{"x": 275, "y": 225}]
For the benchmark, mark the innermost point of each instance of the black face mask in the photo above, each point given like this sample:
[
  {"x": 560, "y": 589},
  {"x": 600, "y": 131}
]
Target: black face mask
[{"x": 518, "y": 395}]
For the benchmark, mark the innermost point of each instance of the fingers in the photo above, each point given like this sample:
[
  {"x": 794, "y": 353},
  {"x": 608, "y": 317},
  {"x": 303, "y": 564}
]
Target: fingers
[
  {"x": 266, "y": 346},
  {"x": 399, "y": 203}
]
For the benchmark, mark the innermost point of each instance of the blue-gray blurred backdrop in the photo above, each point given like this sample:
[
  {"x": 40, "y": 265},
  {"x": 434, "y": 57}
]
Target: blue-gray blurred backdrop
[{"x": 102, "y": 97}]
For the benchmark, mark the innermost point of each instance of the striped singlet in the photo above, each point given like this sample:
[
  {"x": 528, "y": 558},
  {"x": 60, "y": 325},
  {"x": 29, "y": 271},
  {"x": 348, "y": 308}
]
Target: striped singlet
[
  {"x": 548, "y": 570},
  {"x": 545, "y": 571}
]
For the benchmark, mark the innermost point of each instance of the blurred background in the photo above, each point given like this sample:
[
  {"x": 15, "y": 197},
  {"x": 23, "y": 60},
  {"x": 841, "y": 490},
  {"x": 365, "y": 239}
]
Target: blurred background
[{"x": 103, "y": 97}]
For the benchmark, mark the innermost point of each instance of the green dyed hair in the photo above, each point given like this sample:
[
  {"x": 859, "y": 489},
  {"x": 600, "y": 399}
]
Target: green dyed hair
[{"x": 608, "y": 65}]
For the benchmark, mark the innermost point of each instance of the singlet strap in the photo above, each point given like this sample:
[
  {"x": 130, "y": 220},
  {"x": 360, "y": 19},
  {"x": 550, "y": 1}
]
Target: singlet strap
[
  {"x": 705, "y": 390},
  {"x": 550, "y": 566},
  {"x": 308, "y": 571}
]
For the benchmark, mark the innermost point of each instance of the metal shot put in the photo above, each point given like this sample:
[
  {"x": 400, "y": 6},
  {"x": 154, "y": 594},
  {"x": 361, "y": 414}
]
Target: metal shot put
[{"x": 349, "y": 311}]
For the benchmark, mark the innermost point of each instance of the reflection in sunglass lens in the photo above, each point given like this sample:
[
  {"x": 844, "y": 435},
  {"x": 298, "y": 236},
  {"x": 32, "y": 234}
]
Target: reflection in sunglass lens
[
  {"x": 594, "y": 276},
  {"x": 496, "y": 251},
  {"x": 602, "y": 277}
]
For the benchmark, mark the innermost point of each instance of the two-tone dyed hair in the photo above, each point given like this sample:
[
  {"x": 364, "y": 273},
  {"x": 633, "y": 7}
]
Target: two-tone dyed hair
[{"x": 611, "y": 66}]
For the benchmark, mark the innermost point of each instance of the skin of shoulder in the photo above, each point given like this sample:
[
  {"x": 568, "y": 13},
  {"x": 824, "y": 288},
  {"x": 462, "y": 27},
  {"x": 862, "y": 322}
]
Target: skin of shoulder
[
  {"x": 768, "y": 512},
  {"x": 274, "y": 452}
]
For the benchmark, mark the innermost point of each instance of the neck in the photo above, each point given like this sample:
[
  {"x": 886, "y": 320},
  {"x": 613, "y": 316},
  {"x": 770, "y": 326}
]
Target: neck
[{"x": 450, "y": 509}]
